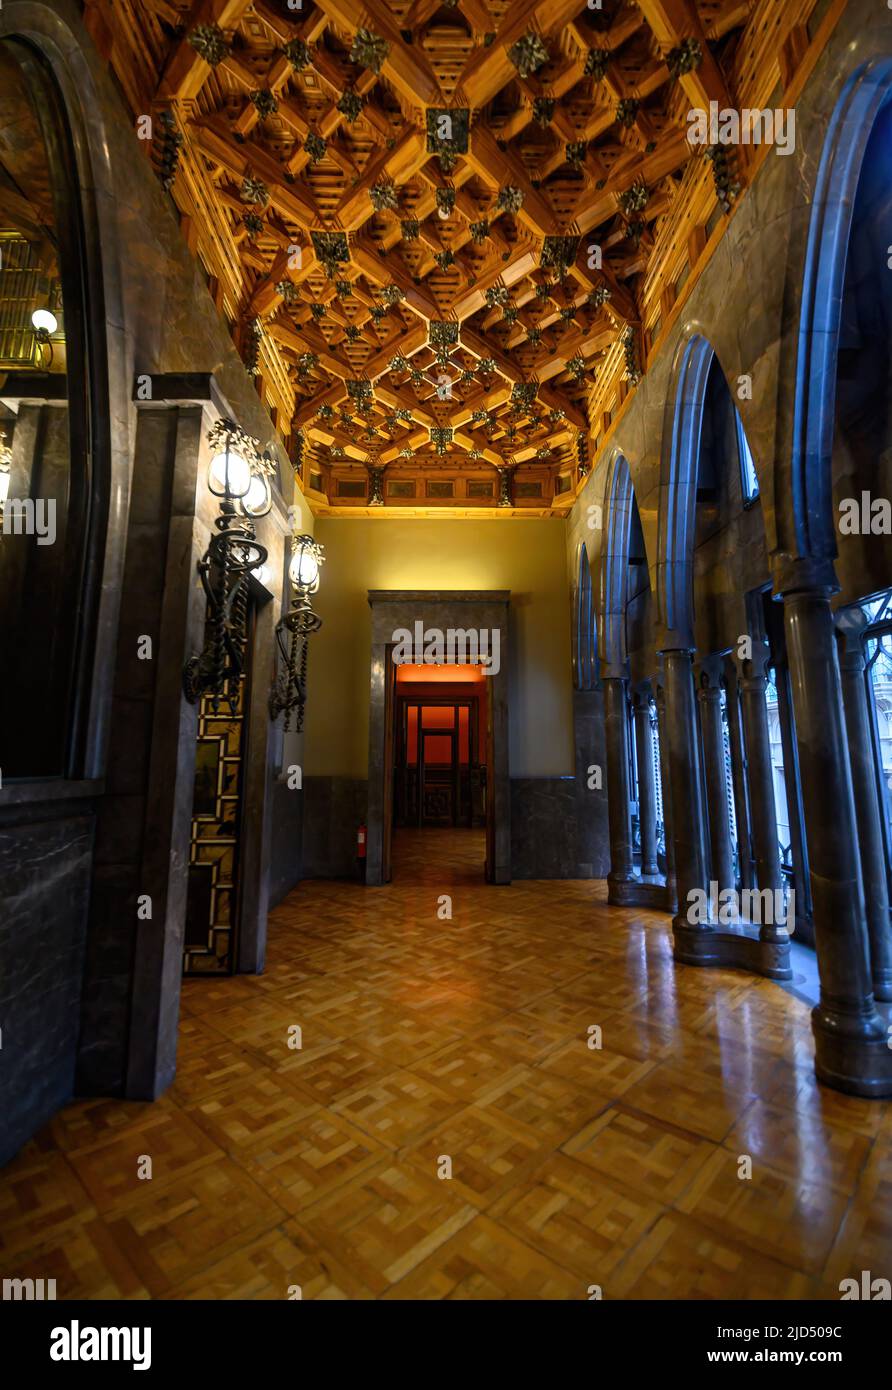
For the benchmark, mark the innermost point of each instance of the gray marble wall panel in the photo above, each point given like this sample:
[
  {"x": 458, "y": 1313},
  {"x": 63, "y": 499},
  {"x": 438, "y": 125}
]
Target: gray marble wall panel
[
  {"x": 592, "y": 829},
  {"x": 333, "y": 810},
  {"x": 555, "y": 831},
  {"x": 45, "y": 872},
  {"x": 286, "y": 862},
  {"x": 543, "y": 827}
]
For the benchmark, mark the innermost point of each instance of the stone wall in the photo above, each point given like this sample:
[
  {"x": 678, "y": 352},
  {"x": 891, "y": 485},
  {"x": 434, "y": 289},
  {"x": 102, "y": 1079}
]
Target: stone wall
[{"x": 746, "y": 303}]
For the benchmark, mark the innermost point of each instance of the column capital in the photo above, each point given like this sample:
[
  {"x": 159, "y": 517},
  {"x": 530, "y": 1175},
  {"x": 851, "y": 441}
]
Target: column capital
[
  {"x": 797, "y": 573},
  {"x": 642, "y": 694},
  {"x": 851, "y": 624},
  {"x": 710, "y": 672},
  {"x": 752, "y": 672}
]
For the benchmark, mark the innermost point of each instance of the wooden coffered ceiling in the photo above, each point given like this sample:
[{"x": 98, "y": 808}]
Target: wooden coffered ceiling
[{"x": 446, "y": 234}]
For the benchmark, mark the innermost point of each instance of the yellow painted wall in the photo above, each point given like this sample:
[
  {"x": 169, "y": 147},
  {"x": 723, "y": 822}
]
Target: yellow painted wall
[{"x": 527, "y": 557}]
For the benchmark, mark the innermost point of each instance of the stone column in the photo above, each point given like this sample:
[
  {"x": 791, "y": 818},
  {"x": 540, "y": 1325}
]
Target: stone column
[
  {"x": 647, "y": 796},
  {"x": 850, "y": 1038},
  {"x": 760, "y": 778},
  {"x": 618, "y": 781},
  {"x": 684, "y": 780},
  {"x": 666, "y": 789},
  {"x": 738, "y": 774},
  {"x": 851, "y": 624},
  {"x": 709, "y": 695}
]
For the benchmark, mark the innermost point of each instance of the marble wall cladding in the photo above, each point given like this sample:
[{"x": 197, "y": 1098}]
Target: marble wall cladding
[
  {"x": 286, "y": 859},
  {"x": 124, "y": 818},
  {"x": 45, "y": 872},
  {"x": 333, "y": 810},
  {"x": 592, "y": 828},
  {"x": 543, "y": 827}
]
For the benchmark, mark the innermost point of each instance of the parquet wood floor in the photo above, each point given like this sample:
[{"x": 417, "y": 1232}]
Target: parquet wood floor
[{"x": 465, "y": 1042}]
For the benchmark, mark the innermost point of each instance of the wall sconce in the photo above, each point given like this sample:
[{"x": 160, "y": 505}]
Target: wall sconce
[
  {"x": 294, "y": 629},
  {"x": 44, "y": 323},
  {"x": 240, "y": 476}
]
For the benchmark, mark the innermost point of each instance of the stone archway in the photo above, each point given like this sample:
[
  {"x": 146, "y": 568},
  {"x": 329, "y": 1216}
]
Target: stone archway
[{"x": 850, "y": 1030}]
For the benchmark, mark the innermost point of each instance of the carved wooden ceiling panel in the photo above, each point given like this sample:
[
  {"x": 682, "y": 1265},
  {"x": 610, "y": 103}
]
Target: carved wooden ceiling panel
[{"x": 446, "y": 233}]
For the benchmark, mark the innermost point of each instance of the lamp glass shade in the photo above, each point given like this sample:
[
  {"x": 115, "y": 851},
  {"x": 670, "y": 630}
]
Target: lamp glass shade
[
  {"x": 44, "y": 321},
  {"x": 304, "y": 569},
  {"x": 229, "y": 474},
  {"x": 258, "y": 499}
]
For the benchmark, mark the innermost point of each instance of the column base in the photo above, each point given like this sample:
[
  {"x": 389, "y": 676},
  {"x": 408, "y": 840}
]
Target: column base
[
  {"x": 882, "y": 988},
  {"x": 857, "y": 1066},
  {"x": 636, "y": 892},
  {"x": 731, "y": 948}
]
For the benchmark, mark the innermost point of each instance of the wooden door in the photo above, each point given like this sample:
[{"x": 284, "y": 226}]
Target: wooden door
[
  {"x": 489, "y": 869},
  {"x": 389, "y": 702},
  {"x": 438, "y": 779}
]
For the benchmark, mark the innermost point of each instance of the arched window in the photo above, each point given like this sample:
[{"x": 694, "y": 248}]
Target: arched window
[
  {"x": 749, "y": 480},
  {"x": 585, "y": 665},
  {"x": 48, "y": 461},
  {"x": 878, "y": 656}
]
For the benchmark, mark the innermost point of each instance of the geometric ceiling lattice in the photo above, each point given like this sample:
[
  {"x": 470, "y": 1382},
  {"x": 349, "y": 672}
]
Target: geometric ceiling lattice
[{"x": 483, "y": 210}]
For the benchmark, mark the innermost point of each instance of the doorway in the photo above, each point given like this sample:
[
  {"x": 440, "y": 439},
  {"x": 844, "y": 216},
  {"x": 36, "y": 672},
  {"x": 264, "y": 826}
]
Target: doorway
[
  {"x": 440, "y": 747},
  {"x": 432, "y": 770}
]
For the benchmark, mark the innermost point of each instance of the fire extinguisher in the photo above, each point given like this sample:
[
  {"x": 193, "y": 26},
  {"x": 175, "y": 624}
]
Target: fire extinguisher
[{"x": 361, "y": 850}]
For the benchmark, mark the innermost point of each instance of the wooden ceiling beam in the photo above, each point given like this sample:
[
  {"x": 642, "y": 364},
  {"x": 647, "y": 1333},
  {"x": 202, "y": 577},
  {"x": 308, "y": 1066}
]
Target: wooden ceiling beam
[
  {"x": 488, "y": 70},
  {"x": 669, "y": 156},
  {"x": 395, "y": 165},
  {"x": 387, "y": 272},
  {"x": 498, "y": 168},
  {"x": 671, "y": 21},
  {"x": 302, "y": 342},
  {"x": 407, "y": 68},
  {"x": 264, "y": 296},
  {"x": 185, "y": 72},
  {"x": 294, "y": 202}
]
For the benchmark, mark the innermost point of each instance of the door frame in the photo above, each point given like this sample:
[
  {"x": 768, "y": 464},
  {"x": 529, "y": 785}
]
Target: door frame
[
  {"x": 394, "y": 609},
  {"x": 401, "y": 709}
]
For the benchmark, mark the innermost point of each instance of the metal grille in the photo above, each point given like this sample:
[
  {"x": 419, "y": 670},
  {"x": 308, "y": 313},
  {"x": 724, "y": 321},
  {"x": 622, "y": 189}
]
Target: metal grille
[
  {"x": 211, "y": 913},
  {"x": 658, "y": 781},
  {"x": 22, "y": 286}
]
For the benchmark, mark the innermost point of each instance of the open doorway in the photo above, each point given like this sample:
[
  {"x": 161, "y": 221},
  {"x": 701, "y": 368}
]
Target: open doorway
[
  {"x": 439, "y": 768},
  {"x": 456, "y": 769}
]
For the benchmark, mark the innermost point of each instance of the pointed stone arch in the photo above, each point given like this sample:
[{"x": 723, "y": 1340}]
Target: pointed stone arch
[
  {"x": 866, "y": 93},
  {"x": 585, "y": 636},
  {"x": 614, "y": 565},
  {"x": 683, "y": 425}
]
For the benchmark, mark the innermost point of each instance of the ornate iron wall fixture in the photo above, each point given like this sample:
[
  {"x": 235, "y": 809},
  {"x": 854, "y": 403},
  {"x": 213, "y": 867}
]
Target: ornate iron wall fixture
[
  {"x": 294, "y": 629},
  {"x": 240, "y": 476}
]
